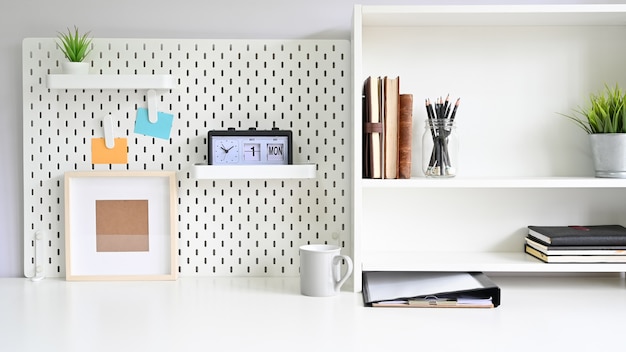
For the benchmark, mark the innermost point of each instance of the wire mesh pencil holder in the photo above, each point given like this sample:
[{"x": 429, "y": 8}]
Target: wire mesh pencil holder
[{"x": 440, "y": 148}]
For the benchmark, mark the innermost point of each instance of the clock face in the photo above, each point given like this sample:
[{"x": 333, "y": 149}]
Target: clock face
[
  {"x": 250, "y": 147},
  {"x": 226, "y": 150}
]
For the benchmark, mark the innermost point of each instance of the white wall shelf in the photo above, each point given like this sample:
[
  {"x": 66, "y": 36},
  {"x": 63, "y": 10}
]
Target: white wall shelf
[
  {"x": 227, "y": 172},
  {"x": 110, "y": 81},
  {"x": 521, "y": 163},
  {"x": 497, "y": 182},
  {"x": 510, "y": 262}
]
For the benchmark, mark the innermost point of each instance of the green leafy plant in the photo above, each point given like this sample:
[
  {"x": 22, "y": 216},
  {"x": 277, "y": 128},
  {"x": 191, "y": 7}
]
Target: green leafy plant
[
  {"x": 75, "y": 46},
  {"x": 606, "y": 113}
]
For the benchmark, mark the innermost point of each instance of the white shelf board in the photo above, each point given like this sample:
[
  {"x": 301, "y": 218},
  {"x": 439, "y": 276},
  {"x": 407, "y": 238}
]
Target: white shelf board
[
  {"x": 467, "y": 261},
  {"x": 230, "y": 172},
  {"x": 109, "y": 81},
  {"x": 504, "y": 182},
  {"x": 494, "y": 15}
]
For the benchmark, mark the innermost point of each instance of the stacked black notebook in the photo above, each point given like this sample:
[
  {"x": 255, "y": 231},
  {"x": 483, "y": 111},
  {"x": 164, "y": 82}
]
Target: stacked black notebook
[{"x": 577, "y": 244}]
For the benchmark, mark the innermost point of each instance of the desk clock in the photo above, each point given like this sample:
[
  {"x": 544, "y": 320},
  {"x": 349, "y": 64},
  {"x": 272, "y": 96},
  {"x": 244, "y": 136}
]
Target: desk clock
[{"x": 250, "y": 147}]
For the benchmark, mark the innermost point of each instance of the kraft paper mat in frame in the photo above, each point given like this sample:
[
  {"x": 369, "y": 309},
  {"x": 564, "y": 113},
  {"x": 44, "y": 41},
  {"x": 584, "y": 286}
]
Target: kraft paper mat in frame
[{"x": 120, "y": 225}]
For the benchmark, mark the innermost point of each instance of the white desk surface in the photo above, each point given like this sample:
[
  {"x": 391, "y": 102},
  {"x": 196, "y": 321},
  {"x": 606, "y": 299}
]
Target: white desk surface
[{"x": 269, "y": 314}]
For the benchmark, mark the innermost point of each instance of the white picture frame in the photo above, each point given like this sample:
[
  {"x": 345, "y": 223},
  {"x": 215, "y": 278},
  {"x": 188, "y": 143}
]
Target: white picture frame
[{"x": 156, "y": 190}]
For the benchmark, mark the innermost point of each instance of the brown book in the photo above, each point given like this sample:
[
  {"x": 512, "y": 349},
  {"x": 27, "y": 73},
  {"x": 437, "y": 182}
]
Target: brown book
[
  {"x": 372, "y": 129},
  {"x": 405, "y": 135},
  {"x": 391, "y": 104}
]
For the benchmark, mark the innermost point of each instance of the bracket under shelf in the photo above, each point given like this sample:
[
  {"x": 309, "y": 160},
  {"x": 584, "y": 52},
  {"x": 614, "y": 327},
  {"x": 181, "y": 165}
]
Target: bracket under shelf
[
  {"x": 110, "y": 81},
  {"x": 228, "y": 172}
]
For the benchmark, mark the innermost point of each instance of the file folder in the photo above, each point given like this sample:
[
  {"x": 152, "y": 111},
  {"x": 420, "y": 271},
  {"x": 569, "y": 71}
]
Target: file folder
[{"x": 429, "y": 289}]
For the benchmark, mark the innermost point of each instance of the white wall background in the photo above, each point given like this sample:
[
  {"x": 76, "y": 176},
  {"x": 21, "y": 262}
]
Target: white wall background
[{"x": 235, "y": 19}]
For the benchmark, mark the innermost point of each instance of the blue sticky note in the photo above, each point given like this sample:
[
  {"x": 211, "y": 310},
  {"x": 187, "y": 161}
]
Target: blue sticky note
[{"x": 160, "y": 129}]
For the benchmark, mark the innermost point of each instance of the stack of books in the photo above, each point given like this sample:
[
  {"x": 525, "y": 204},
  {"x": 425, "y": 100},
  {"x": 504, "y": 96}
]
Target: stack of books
[
  {"x": 577, "y": 244},
  {"x": 387, "y": 129}
]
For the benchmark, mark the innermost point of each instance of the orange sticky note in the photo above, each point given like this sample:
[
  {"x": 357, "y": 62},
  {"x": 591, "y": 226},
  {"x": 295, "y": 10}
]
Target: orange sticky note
[{"x": 100, "y": 154}]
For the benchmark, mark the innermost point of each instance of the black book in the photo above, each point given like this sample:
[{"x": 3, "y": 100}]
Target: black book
[
  {"x": 597, "y": 235},
  {"x": 574, "y": 250}
]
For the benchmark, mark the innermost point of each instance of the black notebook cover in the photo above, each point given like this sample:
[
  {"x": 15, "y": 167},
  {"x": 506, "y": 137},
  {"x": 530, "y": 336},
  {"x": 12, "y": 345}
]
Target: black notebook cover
[{"x": 597, "y": 235}]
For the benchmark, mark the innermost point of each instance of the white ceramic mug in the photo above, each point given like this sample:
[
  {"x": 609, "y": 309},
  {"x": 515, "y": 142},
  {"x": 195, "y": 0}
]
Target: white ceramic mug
[{"x": 320, "y": 270}]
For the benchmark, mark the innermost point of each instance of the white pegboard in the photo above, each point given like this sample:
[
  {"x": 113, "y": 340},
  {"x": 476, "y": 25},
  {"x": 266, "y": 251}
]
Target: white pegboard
[{"x": 238, "y": 227}]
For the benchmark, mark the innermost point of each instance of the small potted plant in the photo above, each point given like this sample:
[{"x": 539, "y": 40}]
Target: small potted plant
[
  {"x": 605, "y": 122},
  {"x": 75, "y": 47}
]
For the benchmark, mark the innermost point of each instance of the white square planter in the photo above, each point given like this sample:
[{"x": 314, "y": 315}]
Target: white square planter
[{"x": 609, "y": 154}]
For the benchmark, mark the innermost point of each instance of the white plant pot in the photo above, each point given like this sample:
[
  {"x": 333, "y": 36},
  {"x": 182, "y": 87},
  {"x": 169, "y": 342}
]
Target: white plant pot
[
  {"x": 609, "y": 154},
  {"x": 75, "y": 68}
]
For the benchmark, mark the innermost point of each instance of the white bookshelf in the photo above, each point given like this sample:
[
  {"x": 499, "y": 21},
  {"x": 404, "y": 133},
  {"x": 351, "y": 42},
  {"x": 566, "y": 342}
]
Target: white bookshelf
[{"x": 516, "y": 68}]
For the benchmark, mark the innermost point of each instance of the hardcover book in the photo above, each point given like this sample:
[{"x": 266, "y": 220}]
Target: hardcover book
[
  {"x": 575, "y": 258},
  {"x": 372, "y": 130},
  {"x": 597, "y": 235},
  {"x": 390, "y": 101},
  {"x": 405, "y": 135},
  {"x": 574, "y": 250}
]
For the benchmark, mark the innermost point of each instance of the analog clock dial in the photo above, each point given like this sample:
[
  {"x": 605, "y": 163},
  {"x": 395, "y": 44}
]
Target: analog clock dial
[{"x": 226, "y": 151}]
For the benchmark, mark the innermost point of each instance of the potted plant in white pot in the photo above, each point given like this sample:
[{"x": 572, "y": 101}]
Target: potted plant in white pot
[
  {"x": 605, "y": 122},
  {"x": 75, "y": 47}
]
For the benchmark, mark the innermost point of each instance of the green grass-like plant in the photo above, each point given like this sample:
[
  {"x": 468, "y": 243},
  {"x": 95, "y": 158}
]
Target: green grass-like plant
[
  {"x": 75, "y": 46},
  {"x": 606, "y": 114}
]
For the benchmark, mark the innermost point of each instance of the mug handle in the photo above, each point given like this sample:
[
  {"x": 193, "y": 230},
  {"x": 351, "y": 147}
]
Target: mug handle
[{"x": 337, "y": 262}]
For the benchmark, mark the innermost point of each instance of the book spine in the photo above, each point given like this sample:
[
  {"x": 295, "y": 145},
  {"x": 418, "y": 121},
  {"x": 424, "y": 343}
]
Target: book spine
[
  {"x": 367, "y": 143},
  {"x": 391, "y": 88},
  {"x": 597, "y": 240},
  {"x": 405, "y": 135},
  {"x": 378, "y": 139},
  {"x": 372, "y": 129}
]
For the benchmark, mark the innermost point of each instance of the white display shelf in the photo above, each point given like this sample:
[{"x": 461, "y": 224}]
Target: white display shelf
[
  {"x": 231, "y": 172},
  {"x": 505, "y": 182},
  {"x": 475, "y": 261},
  {"x": 109, "y": 81},
  {"x": 487, "y": 54},
  {"x": 487, "y": 15}
]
